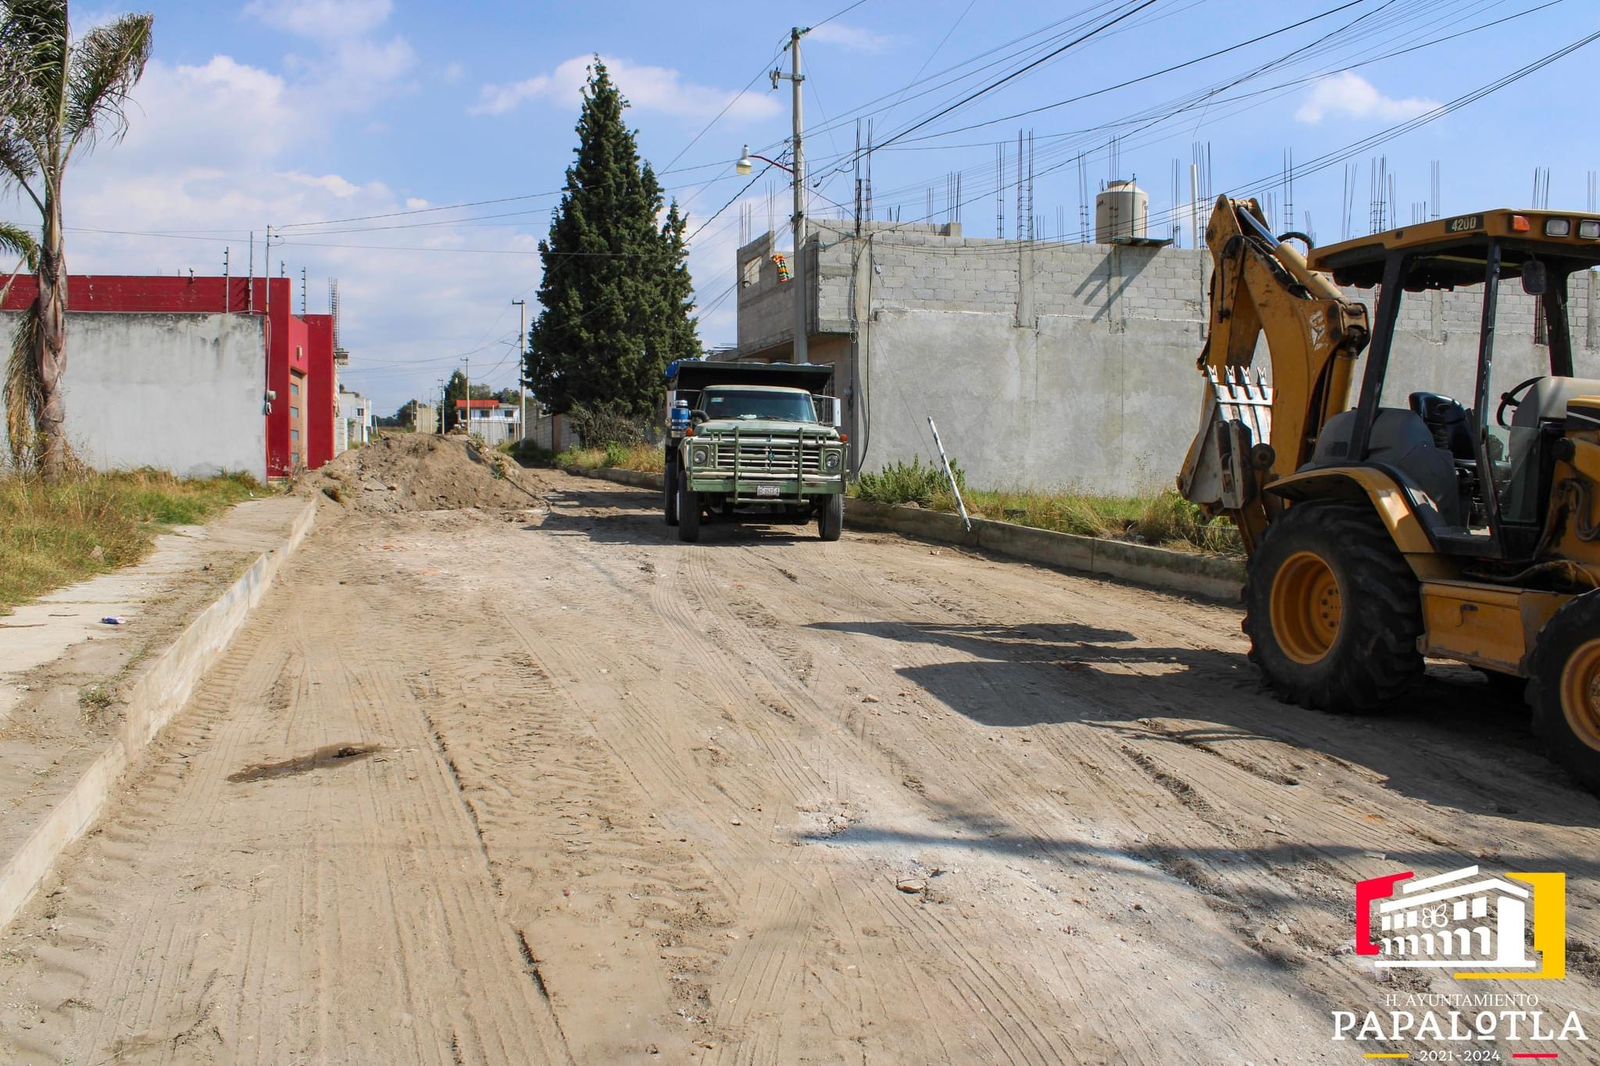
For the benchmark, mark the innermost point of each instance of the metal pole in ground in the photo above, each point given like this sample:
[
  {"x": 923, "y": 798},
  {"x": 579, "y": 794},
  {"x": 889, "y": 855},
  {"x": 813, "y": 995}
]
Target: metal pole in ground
[{"x": 950, "y": 474}]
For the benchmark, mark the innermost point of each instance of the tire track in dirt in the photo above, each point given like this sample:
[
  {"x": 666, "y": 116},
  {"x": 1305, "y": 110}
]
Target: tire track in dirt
[{"x": 356, "y": 922}]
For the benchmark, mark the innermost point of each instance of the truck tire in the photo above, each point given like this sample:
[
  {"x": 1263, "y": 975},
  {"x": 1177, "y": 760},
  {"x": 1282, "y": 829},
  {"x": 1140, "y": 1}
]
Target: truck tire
[
  {"x": 688, "y": 513},
  {"x": 1564, "y": 688},
  {"x": 830, "y": 517},
  {"x": 1332, "y": 611},
  {"x": 669, "y": 502}
]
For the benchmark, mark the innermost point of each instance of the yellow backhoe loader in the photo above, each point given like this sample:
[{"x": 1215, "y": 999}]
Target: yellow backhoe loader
[{"x": 1411, "y": 526}]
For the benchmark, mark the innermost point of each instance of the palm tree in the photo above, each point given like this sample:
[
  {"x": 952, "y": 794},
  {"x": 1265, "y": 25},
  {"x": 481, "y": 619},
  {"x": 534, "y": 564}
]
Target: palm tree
[
  {"x": 57, "y": 95},
  {"x": 19, "y": 395}
]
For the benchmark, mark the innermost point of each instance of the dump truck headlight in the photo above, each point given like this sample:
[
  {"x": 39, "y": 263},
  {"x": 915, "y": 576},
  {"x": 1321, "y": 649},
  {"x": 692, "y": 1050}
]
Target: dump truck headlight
[
  {"x": 831, "y": 461},
  {"x": 1558, "y": 227},
  {"x": 700, "y": 455},
  {"x": 1589, "y": 229}
]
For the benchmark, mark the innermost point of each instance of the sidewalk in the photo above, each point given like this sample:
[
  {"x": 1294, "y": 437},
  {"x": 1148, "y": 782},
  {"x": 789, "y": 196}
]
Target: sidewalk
[
  {"x": 152, "y": 597},
  {"x": 67, "y": 679}
]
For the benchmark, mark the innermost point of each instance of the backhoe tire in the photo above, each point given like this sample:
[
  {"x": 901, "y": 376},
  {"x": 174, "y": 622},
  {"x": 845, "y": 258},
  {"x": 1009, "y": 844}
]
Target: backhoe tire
[
  {"x": 830, "y": 517},
  {"x": 688, "y": 512},
  {"x": 1332, "y": 611},
  {"x": 1564, "y": 688},
  {"x": 669, "y": 496}
]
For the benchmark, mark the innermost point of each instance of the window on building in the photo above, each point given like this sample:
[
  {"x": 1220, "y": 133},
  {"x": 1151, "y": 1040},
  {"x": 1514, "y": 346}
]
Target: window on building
[
  {"x": 294, "y": 389},
  {"x": 294, "y": 436},
  {"x": 294, "y": 412}
]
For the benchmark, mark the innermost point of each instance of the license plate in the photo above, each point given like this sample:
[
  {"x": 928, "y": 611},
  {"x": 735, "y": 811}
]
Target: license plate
[{"x": 766, "y": 491}]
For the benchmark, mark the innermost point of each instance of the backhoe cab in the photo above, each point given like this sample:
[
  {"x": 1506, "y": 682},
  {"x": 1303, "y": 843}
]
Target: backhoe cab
[{"x": 1407, "y": 525}]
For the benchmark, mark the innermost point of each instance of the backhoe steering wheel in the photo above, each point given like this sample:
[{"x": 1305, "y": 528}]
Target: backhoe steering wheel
[{"x": 1510, "y": 399}]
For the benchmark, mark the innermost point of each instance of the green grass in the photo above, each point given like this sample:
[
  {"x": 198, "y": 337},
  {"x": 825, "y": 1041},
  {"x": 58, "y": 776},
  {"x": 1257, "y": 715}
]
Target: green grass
[
  {"x": 1166, "y": 518},
  {"x": 648, "y": 458},
  {"x": 52, "y": 535}
]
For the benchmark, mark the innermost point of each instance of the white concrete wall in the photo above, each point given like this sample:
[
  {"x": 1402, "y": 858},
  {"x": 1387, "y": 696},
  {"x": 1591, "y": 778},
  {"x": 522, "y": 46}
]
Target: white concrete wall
[
  {"x": 176, "y": 392},
  {"x": 1072, "y": 367}
]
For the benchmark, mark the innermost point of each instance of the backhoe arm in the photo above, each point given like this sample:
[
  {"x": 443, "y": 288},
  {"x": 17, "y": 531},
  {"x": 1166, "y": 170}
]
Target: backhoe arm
[{"x": 1256, "y": 428}]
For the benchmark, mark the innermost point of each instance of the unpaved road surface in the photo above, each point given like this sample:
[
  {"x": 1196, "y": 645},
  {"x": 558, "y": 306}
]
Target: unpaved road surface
[{"x": 552, "y": 787}]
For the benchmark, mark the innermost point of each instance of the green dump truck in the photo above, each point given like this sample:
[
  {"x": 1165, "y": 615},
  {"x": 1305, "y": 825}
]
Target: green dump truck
[{"x": 757, "y": 441}]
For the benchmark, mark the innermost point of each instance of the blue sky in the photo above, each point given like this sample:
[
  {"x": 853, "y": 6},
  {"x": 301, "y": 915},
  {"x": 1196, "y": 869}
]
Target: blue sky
[{"x": 298, "y": 113}]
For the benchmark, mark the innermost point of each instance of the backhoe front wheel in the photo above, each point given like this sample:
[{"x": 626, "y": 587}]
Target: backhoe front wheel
[
  {"x": 1332, "y": 611},
  {"x": 1564, "y": 688}
]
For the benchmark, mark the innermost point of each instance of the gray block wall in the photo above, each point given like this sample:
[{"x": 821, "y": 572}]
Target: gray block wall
[
  {"x": 1069, "y": 367},
  {"x": 181, "y": 393}
]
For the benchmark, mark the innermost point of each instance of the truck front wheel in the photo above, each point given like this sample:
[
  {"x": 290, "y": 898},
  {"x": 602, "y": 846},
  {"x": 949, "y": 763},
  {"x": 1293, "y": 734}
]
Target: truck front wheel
[
  {"x": 688, "y": 512},
  {"x": 669, "y": 503},
  {"x": 830, "y": 517}
]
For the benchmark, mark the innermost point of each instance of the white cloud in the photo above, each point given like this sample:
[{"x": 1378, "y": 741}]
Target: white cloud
[
  {"x": 216, "y": 150},
  {"x": 322, "y": 19},
  {"x": 850, "y": 37},
  {"x": 1349, "y": 95},
  {"x": 658, "y": 89},
  {"x": 228, "y": 111}
]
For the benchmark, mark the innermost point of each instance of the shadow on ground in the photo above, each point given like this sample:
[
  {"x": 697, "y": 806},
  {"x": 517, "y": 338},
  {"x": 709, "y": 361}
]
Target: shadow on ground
[
  {"x": 1455, "y": 741},
  {"x": 633, "y": 516}
]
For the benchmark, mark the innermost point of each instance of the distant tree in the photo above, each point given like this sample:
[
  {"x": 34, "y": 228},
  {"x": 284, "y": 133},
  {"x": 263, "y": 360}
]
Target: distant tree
[
  {"x": 404, "y": 418},
  {"x": 615, "y": 295},
  {"x": 456, "y": 389},
  {"x": 57, "y": 95},
  {"x": 510, "y": 396}
]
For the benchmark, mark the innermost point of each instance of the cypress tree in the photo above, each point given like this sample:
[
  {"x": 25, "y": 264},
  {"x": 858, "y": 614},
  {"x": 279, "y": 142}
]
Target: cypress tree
[{"x": 615, "y": 295}]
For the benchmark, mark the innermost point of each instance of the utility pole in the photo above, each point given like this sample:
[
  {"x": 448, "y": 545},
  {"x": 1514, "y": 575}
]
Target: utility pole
[
  {"x": 522, "y": 342},
  {"x": 466, "y": 372},
  {"x": 796, "y": 80}
]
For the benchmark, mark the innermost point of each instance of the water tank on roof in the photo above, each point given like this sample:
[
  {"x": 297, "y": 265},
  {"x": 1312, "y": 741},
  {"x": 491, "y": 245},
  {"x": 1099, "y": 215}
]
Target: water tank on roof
[{"x": 1121, "y": 211}]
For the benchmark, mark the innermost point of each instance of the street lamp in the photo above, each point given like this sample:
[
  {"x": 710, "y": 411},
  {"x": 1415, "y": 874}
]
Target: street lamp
[{"x": 748, "y": 160}]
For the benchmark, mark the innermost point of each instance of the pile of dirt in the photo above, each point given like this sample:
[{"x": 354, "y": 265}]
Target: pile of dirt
[{"x": 418, "y": 472}]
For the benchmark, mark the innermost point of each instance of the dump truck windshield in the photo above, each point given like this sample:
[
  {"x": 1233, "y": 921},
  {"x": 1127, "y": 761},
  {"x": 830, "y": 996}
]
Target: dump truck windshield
[{"x": 750, "y": 404}]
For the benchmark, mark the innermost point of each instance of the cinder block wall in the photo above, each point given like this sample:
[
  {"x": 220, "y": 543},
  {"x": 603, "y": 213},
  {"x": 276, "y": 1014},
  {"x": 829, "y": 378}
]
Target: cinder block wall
[
  {"x": 178, "y": 392},
  {"x": 1071, "y": 366}
]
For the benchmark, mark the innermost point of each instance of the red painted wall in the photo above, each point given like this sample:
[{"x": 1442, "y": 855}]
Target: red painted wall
[
  {"x": 302, "y": 344},
  {"x": 323, "y": 403}
]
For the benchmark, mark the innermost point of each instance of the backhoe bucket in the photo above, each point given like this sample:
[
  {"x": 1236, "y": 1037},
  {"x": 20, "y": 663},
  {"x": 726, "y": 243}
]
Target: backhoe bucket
[{"x": 1218, "y": 473}]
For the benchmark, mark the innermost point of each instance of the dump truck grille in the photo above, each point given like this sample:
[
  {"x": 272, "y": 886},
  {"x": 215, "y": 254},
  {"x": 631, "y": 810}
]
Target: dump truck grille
[{"x": 779, "y": 457}]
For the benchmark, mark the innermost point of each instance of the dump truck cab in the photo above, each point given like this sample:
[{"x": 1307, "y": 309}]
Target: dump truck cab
[
  {"x": 753, "y": 440},
  {"x": 1414, "y": 522}
]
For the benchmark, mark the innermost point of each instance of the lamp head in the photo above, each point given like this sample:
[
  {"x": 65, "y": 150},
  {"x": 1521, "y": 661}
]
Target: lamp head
[{"x": 744, "y": 166}]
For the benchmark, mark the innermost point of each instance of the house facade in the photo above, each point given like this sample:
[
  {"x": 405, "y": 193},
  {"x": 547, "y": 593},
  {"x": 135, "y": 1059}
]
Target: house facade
[{"x": 196, "y": 375}]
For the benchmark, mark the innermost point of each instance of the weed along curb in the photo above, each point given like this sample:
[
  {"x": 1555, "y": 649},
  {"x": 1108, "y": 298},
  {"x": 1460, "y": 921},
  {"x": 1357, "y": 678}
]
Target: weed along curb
[
  {"x": 160, "y": 691},
  {"x": 1209, "y": 576}
]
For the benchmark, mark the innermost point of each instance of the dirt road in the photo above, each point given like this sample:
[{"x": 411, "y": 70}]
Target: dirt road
[{"x": 550, "y": 787}]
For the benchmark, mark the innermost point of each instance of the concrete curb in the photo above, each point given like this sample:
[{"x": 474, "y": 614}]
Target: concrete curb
[
  {"x": 1212, "y": 577},
  {"x": 637, "y": 478},
  {"x": 161, "y": 690}
]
